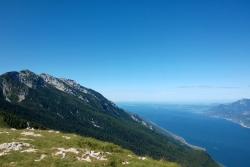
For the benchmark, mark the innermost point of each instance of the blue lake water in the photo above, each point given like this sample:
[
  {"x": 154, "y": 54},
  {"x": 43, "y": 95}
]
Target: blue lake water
[{"x": 227, "y": 142}]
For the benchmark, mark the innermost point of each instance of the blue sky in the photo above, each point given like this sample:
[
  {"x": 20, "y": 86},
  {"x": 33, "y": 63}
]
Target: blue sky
[{"x": 133, "y": 50}]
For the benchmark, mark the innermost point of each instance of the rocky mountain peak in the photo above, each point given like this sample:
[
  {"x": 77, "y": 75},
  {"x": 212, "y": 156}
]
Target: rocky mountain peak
[
  {"x": 27, "y": 72},
  {"x": 28, "y": 78},
  {"x": 55, "y": 82}
]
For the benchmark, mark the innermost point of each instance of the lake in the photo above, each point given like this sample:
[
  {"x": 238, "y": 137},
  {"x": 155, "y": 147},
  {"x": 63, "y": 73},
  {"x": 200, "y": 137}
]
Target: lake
[{"x": 227, "y": 142}]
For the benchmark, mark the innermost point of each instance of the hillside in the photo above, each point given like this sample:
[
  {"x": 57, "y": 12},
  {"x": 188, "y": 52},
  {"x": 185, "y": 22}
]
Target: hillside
[
  {"x": 46, "y": 102},
  {"x": 31, "y": 147},
  {"x": 237, "y": 112}
]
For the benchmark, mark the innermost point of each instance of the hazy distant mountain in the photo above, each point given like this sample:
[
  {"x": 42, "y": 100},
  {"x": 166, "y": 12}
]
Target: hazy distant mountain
[
  {"x": 238, "y": 112},
  {"x": 44, "y": 101}
]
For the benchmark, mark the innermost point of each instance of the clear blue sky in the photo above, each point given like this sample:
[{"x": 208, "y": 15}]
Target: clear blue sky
[{"x": 133, "y": 50}]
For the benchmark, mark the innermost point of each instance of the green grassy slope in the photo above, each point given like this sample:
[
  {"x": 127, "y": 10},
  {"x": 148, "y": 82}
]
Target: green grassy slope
[{"x": 44, "y": 151}]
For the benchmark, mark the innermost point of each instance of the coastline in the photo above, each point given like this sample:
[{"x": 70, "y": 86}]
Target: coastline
[
  {"x": 237, "y": 122},
  {"x": 179, "y": 138},
  {"x": 233, "y": 121},
  {"x": 244, "y": 126}
]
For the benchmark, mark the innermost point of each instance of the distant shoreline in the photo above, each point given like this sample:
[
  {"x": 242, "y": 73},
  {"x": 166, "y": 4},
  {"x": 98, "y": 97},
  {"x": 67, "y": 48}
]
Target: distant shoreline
[
  {"x": 179, "y": 138},
  {"x": 233, "y": 121},
  {"x": 243, "y": 125},
  {"x": 237, "y": 122}
]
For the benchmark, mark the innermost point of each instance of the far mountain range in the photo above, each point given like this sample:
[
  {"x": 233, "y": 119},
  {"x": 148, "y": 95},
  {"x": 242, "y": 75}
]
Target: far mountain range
[{"x": 237, "y": 112}]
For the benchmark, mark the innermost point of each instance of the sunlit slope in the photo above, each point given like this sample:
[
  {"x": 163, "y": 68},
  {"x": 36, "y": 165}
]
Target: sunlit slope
[{"x": 52, "y": 148}]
